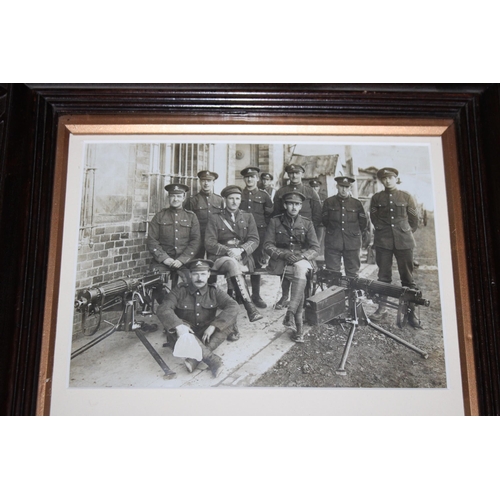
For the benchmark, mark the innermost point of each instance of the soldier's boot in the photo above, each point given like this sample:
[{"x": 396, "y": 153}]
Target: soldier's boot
[
  {"x": 381, "y": 312},
  {"x": 299, "y": 334},
  {"x": 285, "y": 291},
  {"x": 234, "y": 335},
  {"x": 256, "y": 298},
  {"x": 413, "y": 320},
  {"x": 241, "y": 288},
  {"x": 215, "y": 364},
  {"x": 289, "y": 320},
  {"x": 191, "y": 364}
]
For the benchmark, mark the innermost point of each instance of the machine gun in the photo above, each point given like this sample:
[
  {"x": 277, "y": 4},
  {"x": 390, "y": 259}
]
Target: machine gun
[
  {"x": 341, "y": 303},
  {"x": 126, "y": 299}
]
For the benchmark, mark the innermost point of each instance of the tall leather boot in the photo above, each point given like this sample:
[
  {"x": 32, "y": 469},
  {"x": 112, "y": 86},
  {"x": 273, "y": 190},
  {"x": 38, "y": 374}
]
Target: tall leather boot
[
  {"x": 285, "y": 291},
  {"x": 413, "y": 319},
  {"x": 299, "y": 322},
  {"x": 256, "y": 298},
  {"x": 241, "y": 288}
]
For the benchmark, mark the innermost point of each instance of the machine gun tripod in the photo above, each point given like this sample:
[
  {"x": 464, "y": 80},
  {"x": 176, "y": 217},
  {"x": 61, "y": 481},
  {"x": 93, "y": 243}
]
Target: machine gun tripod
[
  {"x": 357, "y": 317},
  {"x": 330, "y": 306},
  {"x": 130, "y": 297}
]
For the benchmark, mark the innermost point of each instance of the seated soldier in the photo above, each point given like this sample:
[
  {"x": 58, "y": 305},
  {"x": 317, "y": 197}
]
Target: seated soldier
[
  {"x": 192, "y": 307},
  {"x": 173, "y": 234},
  {"x": 292, "y": 245},
  {"x": 230, "y": 240}
]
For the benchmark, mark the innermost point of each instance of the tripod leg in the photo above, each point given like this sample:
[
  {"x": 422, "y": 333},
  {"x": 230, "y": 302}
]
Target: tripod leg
[
  {"x": 392, "y": 336},
  {"x": 168, "y": 372},
  {"x": 341, "y": 369}
]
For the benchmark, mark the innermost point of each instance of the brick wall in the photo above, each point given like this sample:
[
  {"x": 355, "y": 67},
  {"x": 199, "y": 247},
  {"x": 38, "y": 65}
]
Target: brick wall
[{"x": 118, "y": 250}]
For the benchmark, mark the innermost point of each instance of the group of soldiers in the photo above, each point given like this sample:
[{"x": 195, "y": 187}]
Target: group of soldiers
[{"x": 243, "y": 230}]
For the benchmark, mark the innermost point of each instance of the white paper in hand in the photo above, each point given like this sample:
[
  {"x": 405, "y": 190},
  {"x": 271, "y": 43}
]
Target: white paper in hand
[{"x": 187, "y": 347}]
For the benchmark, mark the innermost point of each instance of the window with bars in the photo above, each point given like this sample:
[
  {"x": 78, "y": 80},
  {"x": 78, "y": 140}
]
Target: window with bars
[{"x": 170, "y": 163}]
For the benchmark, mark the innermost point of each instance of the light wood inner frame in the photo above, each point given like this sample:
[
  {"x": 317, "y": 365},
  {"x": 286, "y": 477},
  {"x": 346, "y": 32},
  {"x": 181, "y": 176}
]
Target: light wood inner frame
[{"x": 260, "y": 125}]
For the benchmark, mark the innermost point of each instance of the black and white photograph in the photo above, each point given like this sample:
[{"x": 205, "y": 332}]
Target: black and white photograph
[{"x": 231, "y": 263}]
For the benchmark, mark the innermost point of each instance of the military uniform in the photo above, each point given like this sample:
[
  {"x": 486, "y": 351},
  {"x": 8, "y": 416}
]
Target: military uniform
[
  {"x": 292, "y": 245},
  {"x": 228, "y": 232},
  {"x": 204, "y": 205},
  {"x": 243, "y": 234},
  {"x": 394, "y": 216},
  {"x": 345, "y": 221},
  {"x": 174, "y": 233},
  {"x": 311, "y": 207},
  {"x": 200, "y": 309},
  {"x": 282, "y": 237},
  {"x": 259, "y": 204}
]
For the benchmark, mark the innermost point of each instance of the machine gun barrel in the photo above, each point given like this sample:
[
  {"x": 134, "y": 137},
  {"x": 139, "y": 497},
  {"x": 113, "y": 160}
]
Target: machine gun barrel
[{"x": 372, "y": 287}]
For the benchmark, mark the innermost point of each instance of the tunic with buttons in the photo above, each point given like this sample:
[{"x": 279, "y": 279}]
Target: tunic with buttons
[
  {"x": 394, "y": 216},
  {"x": 281, "y": 236},
  {"x": 198, "y": 307},
  {"x": 218, "y": 236},
  {"x": 259, "y": 204},
  {"x": 311, "y": 206},
  {"x": 204, "y": 205},
  {"x": 345, "y": 220},
  {"x": 174, "y": 233}
]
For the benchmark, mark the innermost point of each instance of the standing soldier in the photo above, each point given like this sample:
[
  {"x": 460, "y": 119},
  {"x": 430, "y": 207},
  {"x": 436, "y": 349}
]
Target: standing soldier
[
  {"x": 345, "y": 221},
  {"x": 266, "y": 183},
  {"x": 203, "y": 310},
  {"x": 257, "y": 202},
  {"x": 395, "y": 218},
  {"x": 320, "y": 230},
  {"x": 173, "y": 234},
  {"x": 311, "y": 209},
  {"x": 292, "y": 244},
  {"x": 230, "y": 240},
  {"x": 205, "y": 203}
]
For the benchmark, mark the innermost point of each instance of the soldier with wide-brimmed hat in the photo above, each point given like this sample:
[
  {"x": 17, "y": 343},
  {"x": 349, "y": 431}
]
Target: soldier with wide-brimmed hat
[
  {"x": 292, "y": 245},
  {"x": 203, "y": 310},
  {"x": 230, "y": 240},
  {"x": 174, "y": 234},
  {"x": 345, "y": 221}
]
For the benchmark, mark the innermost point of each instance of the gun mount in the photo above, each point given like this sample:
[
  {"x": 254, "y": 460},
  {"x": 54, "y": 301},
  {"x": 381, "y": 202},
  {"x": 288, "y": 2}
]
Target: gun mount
[
  {"x": 342, "y": 303},
  {"x": 127, "y": 298}
]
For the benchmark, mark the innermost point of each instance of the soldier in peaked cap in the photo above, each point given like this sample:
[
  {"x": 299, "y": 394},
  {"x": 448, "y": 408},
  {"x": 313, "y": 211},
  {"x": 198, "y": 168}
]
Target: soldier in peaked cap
[
  {"x": 266, "y": 183},
  {"x": 230, "y": 240},
  {"x": 205, "y": 203},
  {"x": 311, "y": 209},
  {"x": 173, "y": 234},
  {"x": 395, "y": 218},
  {"x": 257, "y": 202},
  {"x": 202, "y": 309},
  {"x": 345, "y": 221},
  {"x": 293, "y": 247}
]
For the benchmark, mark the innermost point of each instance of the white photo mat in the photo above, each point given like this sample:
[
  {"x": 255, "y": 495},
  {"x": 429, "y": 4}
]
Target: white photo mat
[{"x": 254, "y": 401}]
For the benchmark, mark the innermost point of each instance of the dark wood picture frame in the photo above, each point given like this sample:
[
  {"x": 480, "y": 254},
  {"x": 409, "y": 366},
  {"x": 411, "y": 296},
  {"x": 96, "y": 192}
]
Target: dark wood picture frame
[{"x": 29, "y": 118}]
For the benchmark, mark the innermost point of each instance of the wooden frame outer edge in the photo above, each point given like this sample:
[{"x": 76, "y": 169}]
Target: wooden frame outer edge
[{"x": 443, "y": 127}]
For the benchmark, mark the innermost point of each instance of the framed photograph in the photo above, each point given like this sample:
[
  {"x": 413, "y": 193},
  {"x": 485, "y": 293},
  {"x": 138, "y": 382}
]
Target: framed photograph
[{"x": 97, "y": 342}]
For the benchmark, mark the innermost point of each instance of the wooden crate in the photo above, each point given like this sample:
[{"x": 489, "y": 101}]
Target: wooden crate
[{"x": 325, "y": 305}]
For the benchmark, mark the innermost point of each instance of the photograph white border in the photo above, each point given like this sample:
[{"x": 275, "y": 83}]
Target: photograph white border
[{"x": 253, "y": 401}]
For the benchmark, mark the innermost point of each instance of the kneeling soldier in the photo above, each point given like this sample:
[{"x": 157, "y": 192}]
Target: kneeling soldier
[
  {"x": 230, "y": 240},
  {"x": 292, "y": 245},
  {"x": 192, "y": 308}
]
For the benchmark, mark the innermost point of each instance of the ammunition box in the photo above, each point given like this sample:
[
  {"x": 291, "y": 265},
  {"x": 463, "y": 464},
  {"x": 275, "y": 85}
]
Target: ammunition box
[{"x": 325, "y": 305}]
